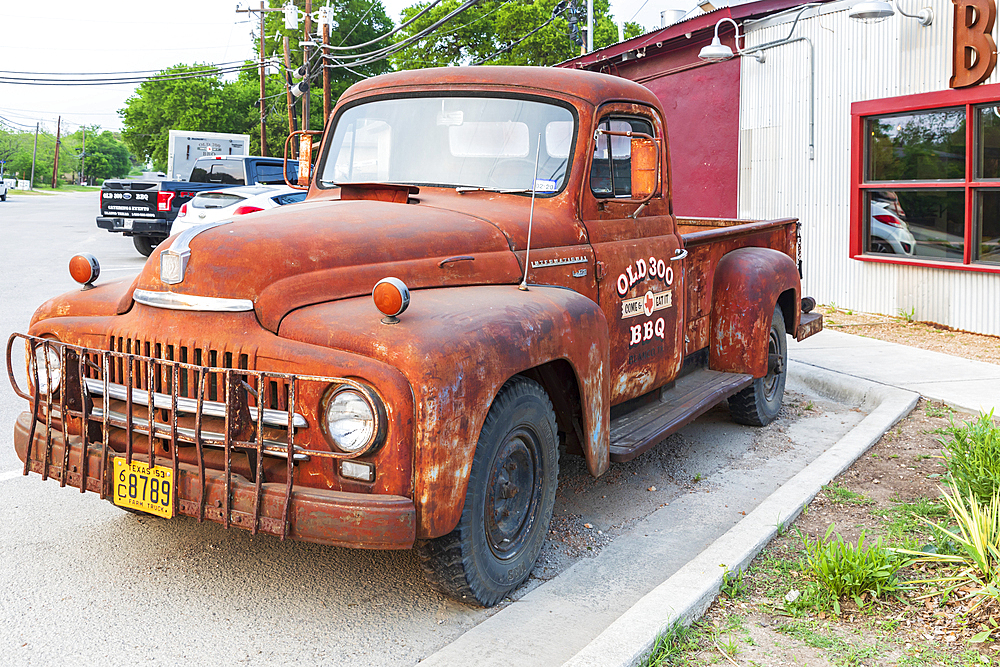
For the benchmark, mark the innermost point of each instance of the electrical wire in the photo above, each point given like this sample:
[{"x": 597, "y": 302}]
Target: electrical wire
[
  {"x": 555, "y": 14},
  {"x": 381, "y": 37},
  {"x": 247, "y": 67},
  {"x": 140, "y": 71}
]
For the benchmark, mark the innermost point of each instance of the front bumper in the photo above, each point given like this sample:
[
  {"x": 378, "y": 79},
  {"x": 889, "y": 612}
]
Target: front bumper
[
  {"x": 131, "y": 226},
  {"x": 368, "y": 521}
]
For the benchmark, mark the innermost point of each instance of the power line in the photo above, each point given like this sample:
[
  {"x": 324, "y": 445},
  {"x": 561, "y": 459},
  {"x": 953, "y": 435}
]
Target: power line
[
  {"x": 141, "y": 71},
  {"x": 247, "y": 67}
]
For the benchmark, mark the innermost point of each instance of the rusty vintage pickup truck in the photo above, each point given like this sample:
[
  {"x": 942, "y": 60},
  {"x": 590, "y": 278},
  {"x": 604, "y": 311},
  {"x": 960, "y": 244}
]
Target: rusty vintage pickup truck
[{"x": 534, "y": 294}]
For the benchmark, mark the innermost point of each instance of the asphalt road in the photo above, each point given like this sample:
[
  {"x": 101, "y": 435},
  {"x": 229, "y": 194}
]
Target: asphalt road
[{"x": 84, "y": 583}]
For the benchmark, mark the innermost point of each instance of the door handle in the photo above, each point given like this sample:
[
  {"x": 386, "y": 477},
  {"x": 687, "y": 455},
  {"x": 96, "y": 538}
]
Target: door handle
[{"x": 680, "y": 253}]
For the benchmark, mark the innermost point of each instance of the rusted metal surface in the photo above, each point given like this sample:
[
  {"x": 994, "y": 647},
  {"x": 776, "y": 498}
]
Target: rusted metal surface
[
  {"x": 749, "y": 282},
  {"x": 269, "y": 488},
  {"x": 619, "y": 293},
  {"x": 809, "y": 324},
  {"x": 457, "y": 347}
]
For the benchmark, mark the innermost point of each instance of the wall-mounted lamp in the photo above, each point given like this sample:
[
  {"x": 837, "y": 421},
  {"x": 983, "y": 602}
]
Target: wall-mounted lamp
[
  {"x": 874, "y": 11},
  {"x": 717, "y": 52}
]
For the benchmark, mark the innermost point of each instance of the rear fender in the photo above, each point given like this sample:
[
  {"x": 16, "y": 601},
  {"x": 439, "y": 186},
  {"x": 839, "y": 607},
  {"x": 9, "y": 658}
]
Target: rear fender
[
  {"x": 748, "y": 283},
  {"x": 457, "y": 347}
]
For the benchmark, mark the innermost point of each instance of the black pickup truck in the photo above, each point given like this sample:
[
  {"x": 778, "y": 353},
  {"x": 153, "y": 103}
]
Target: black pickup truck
[{"x": 145, "y": 210}]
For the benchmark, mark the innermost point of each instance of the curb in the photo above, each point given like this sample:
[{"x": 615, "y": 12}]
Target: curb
[{"x": 688, "y": 593}]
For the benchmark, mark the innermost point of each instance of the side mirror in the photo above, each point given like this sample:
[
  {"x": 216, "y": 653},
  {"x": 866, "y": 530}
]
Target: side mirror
[
  {"x": 305, "y": 139},
  {"x": 645, "y": 167}
]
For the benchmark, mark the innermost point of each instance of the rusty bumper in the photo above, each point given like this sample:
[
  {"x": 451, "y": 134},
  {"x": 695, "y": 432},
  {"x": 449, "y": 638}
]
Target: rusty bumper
[
  {"x": 809, "y": 324},
  {"x": 367, "y": 521}
]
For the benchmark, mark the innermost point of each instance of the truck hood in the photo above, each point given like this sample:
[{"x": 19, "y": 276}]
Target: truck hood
[{"x": 315, "y": 252}]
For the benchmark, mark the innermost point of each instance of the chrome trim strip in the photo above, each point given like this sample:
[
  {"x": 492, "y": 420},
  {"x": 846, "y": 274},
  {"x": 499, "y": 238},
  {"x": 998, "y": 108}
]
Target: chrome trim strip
[
  {"x": 558, "y": 262},
  {"x": 117, "y": 392},
  {"x": 208, "y": 438},
  {"x": 174, "y": 301}
]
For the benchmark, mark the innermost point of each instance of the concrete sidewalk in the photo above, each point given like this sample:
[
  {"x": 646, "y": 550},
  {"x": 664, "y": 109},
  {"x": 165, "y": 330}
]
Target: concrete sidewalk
[
  {"x": 972, "y": 386},
  {"x": 882, "y": 378}
]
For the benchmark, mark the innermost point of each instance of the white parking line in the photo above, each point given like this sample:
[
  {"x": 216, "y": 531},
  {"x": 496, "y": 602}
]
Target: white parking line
[{"x": 4, "y": 476}]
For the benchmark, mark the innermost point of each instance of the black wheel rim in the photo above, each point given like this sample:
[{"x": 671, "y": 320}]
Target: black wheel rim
[
  {"x": 513, "y": 493},
  {"x": 775, "y": 365}
]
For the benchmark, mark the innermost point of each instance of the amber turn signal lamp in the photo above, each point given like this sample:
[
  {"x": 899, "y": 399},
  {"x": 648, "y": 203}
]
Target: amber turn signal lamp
[
  {"x": 85, "y": 269},
  {"x": 391, "y": 297}
]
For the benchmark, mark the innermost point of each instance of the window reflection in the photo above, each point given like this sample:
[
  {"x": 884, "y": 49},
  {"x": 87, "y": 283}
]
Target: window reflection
[
  {"x": 988, "y": 227},
  {"x": 928, "y": 145},
  {"x": 917, "y": 223}
]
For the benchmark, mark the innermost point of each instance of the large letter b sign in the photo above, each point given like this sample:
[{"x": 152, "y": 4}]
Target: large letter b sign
[{"x": 975, "y": 54}]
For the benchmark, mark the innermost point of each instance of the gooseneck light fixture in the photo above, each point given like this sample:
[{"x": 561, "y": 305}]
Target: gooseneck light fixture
[
  {"x": 873, "y": 11},
  {"x": 718, "y": 52}
]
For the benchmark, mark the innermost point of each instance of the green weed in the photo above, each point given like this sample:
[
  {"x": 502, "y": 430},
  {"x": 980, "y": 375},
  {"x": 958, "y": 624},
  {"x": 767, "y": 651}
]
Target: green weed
[
  {"x": 938, "y": 410},
  {"x": 972, "y": 455},
  {"x": 853, "y": 570},
  {"x": 908, "y": 315},
  {"x": 733, "y": 585},
  {"x": 842, "y": 496},
  {"x": 670, "y": 646}
]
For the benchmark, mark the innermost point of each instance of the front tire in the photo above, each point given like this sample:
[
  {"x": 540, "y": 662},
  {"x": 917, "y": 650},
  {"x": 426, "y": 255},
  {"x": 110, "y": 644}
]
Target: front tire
[
  {"x": 508, "y": 504},
  {"x": 145, "y": 244},
  {"x": 759, "y": 404}
]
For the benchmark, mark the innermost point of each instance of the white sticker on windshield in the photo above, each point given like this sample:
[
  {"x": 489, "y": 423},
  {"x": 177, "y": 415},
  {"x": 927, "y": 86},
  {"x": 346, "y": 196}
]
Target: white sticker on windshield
[{"x": 544, "y": 185}]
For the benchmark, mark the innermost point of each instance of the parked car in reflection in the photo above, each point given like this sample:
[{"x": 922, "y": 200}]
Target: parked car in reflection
[
  {"x": 215, "y": 205},
  {"x": 888, "y": 230}
]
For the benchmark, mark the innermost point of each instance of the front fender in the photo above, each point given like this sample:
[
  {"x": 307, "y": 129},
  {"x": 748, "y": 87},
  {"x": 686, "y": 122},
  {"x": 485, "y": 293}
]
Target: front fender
[
  {"x": 456, "y": 347},
  {"x": 748, "y": 283}
]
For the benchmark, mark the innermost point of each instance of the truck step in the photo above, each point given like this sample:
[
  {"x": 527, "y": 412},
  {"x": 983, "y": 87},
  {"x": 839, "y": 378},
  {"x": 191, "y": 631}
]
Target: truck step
[{"x": 691, "y": 396}]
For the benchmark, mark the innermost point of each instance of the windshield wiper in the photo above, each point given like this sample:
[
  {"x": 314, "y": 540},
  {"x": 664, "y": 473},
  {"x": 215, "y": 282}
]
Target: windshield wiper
[{"x": 504, "y": 191}]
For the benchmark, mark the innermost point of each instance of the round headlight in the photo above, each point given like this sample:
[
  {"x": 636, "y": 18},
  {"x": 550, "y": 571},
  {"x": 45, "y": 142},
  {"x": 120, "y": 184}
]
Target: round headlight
[
  {"x": 43, "y": 352},
  {"x": 351, "y": 420}
]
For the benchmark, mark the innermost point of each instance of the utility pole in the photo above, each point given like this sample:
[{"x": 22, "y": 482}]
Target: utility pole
[
  {"x": 326, "y": 71},
  {"x": 34, "y": 152},
  {"x": 307, "y": 31},
  {"x": 263, "y": 73},
  {"x": 83, "y": 157},
  {"x": 590, "y": 26},
  {"x": 288, "y": 92},
  {"x": 55, "y": 163}
]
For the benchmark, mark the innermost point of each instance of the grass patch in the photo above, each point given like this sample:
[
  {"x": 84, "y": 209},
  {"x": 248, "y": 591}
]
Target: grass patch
[
  {"x": 670, "y": 647},
  {"x": 842, "y": 496},
  {"x": 905, "y": 520}
]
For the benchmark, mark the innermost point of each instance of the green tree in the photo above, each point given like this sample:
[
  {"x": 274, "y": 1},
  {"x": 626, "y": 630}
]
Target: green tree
[
  {"x": 162, "y": 104},
  {"x": 492, "y": 32},
  {"x": 107, "y": 157}
]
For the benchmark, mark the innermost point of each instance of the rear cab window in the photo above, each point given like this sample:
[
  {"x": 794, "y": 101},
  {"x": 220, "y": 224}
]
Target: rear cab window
[{"x": 611, "y": 169}]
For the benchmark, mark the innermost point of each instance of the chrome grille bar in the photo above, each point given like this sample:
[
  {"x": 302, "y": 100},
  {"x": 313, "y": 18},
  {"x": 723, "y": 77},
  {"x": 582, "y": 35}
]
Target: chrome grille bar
[{"x": 161, "y": 401}]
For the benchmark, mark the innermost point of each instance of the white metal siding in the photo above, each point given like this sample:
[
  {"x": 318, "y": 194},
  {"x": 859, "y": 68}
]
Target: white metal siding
[{"x": 853, "y": 62}]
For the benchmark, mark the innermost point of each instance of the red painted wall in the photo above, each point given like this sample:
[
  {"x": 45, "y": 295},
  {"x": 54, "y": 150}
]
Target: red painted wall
[{"x": 702, "y": 106}]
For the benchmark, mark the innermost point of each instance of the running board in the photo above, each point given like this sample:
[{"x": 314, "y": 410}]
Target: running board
[{"x": 692, "y": 395}]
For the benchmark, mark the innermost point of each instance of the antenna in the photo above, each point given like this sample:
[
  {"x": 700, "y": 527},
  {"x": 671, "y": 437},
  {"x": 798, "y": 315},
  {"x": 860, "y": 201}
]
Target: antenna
[{"x": 531, "y": 214}]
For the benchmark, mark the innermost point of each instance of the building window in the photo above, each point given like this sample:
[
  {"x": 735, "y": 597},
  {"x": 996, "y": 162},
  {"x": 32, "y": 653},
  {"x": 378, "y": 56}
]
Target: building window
[{"x": 927, "y": 179}]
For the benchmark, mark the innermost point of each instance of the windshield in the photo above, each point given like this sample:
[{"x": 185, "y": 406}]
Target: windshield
[{"x": 452, "y": 141}]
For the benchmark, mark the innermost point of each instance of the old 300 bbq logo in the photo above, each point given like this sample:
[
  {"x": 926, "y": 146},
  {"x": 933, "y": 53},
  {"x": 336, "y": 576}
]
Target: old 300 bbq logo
[{"x": 648, "y": 303}]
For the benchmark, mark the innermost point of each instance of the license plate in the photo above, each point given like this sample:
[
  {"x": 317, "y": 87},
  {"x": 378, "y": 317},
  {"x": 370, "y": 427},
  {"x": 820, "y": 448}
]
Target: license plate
[
  {"x": 138, "y": 488},
  {"x": 126, "y": 224}
]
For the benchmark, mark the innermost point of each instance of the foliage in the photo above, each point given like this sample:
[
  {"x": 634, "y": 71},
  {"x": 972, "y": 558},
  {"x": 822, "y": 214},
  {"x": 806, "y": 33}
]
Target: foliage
[
  {"x": 972, "y": 455},
  {"x": 483, "y": 31},
  {"x": 670, "y": 645},
  {"x": 977, "y": 537},
  {"x": 852, "y": 570},
  {"x": 733, "y": 585},
  {"x": 842, "y": 496}
]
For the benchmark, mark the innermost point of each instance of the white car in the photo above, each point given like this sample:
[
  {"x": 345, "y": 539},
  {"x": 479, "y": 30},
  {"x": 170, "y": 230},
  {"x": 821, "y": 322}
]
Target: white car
[
  {"x": 3, "y": 190},
  {"x": 889, "y": 231},
  {"x": 213, "y": 205}
]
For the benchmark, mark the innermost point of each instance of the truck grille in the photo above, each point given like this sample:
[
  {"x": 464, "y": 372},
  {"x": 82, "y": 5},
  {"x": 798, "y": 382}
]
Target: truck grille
[{"x": 150, "y": 398}]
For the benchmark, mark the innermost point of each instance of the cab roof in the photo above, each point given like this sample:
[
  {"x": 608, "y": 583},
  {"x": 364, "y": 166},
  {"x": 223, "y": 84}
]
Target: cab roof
[{"x": 591, "y": 87}]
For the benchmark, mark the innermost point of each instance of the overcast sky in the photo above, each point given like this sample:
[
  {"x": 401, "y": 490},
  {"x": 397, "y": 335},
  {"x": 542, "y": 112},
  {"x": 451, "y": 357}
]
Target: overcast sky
[{"x": 70, "y": 36}]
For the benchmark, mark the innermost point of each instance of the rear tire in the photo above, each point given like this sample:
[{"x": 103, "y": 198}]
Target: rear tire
[
  {"x": 759, "y": 404},
  {"x": 145, "y": 244},
  {"x": 508, "y": 505}
]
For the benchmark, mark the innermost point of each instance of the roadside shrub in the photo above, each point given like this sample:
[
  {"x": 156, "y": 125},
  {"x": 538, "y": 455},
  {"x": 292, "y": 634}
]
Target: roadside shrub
[
  {"x": 975, "y": 552},
  {"x": 972, "y": 456},
  {"x": 850, "y": 570}
]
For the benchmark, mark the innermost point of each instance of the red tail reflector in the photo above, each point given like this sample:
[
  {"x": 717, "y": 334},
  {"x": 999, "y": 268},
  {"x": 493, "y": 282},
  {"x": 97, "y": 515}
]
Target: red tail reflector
[
  {"x": 163, "y": 200},
  {"x": 889, "y": 220},
  {"x": 243, "y": 210},
  {"x": 184, "y": 209}
]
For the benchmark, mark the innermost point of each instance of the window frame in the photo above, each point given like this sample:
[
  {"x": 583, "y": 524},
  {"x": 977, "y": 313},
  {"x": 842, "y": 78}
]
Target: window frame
[{"x": 970, "y": 98}]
